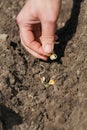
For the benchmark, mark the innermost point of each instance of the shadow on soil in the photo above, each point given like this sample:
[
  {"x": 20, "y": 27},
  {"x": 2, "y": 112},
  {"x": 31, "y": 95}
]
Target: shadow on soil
[
  {"x": 9, "y": 118},
  {"x": 67, "y": 32}
]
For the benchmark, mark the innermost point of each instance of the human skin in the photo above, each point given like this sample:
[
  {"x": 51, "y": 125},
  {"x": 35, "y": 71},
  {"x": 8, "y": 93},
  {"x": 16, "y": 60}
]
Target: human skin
[{"x": 37, "y": 24}]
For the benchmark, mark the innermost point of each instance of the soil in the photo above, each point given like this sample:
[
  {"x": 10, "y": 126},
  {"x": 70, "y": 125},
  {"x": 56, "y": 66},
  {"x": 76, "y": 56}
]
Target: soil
[{"x": 25, "y": 103}]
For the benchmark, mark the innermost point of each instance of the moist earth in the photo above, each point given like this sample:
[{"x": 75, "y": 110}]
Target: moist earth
[{"x": 25, "y": 102}]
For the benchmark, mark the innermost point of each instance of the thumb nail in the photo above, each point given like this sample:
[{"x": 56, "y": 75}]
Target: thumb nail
[{"x": 48, "y": 48}]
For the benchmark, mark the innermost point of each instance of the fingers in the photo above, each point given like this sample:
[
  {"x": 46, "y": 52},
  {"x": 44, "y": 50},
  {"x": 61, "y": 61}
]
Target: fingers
[
  {"x": 39, "y": 41},
  {"x": 29, "y": 40},
  {"x": 33, "y": 52},
  {"x": 37, "y": 31},
  {"x": 48, "y": 36},
  {"x": 33, "y": 47}
]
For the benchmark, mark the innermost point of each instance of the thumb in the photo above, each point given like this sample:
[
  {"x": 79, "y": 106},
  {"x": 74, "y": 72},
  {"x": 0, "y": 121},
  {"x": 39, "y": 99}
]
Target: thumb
[{"x": 48, "y": 36}]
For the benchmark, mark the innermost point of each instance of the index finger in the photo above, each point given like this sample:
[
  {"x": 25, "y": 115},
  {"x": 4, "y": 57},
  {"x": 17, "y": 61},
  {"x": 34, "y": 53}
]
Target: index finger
[{"x": 29, "y": 40}]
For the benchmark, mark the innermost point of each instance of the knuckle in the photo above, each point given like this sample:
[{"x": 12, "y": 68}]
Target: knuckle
[
  {"x": 19, "y": 19},
  {"x": 50, "y": 19}
]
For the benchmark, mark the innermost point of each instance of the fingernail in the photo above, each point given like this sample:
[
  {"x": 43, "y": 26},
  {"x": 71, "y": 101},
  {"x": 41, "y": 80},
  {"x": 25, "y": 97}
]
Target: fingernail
[{"x": 48, "y": 48}]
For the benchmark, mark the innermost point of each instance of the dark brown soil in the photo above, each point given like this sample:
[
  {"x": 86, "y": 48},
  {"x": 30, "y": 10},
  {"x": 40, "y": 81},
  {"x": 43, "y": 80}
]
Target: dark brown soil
[{"x": 25, "y": 104}]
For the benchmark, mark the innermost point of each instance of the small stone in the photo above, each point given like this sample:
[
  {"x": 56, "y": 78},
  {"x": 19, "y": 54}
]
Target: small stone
[
  {"x": 3, "y": 37},
  {"x": 78, "y": 72},
  {"x": 12, "y": 80},
  {"x": 2, "y": 85}
]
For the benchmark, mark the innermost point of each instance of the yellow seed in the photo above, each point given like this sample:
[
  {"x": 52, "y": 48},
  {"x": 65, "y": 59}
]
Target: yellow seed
[
  {"x": 51, "y": 82},
  {"x": 53, "y": 56}
]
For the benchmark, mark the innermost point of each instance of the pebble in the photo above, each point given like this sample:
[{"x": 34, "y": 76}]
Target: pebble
[
  {"x": 78, "y": 72},
  {"x": 12, "y": 80},
  {"x": 3, "y": 37}
]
